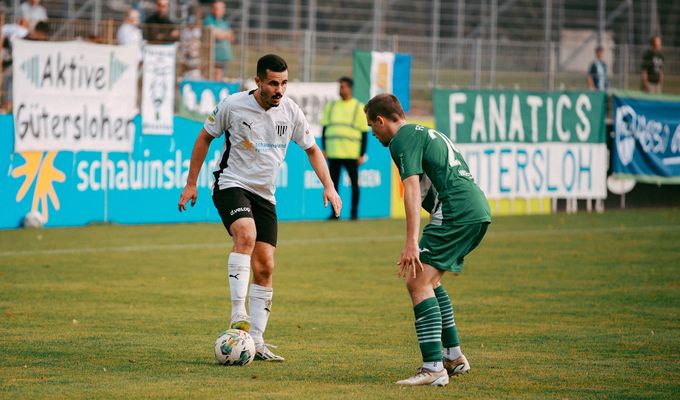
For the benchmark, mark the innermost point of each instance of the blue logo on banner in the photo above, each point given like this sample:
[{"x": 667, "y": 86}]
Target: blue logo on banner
[{"x": 647, "y": 139}]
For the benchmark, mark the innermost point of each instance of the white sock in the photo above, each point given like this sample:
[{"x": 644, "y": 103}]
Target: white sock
[
  {"x": 260, "y": 303},
  {"x": 434, "y": 366},
  {"x": 451, "y": 353},
  {"x": 239, "y": 276}
]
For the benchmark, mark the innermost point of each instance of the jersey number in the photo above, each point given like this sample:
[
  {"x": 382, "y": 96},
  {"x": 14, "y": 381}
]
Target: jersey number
[{"x": 453, "y": 162}]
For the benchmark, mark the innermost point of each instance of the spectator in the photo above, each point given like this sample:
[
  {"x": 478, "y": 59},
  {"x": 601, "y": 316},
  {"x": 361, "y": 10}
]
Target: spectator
[
  {"x": 33, "y": 12},
  {"x": 190, "y": 46},
  {"x": 129, "y": 32},
  {"x": 224, "y": 36},
  {"x": 597, "y": 74},
  {"x": 343, "y": 139},
  {"x": 19, "y": 30},
  {"x": 652, "y": 67},
  {"x": 156, "y": 32},
  {"x": 41, "y": 32},
  {"x": 10, "y": 32}
]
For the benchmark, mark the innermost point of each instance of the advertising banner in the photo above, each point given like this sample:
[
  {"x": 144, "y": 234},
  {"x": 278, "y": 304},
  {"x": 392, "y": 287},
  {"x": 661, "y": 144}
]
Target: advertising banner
[
  {"x": 74, "y": 96},
  {"x": 199, "y": 98},
  {"x": 526, "y": 144},
  {"x": 312, "y": 98},
  {"x": 72, "y": 189},
  {"x": 647, "y": 139},
  {"x": 158, "y": 89}
]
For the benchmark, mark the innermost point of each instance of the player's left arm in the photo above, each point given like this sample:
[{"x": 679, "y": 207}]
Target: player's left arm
[
  {"x": 409, "y": 263},
  {"x": 321, "y": 169}
]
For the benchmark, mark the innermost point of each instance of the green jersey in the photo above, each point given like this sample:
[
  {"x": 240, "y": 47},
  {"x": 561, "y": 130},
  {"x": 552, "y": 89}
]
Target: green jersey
[{"x": 449, "y": 193}]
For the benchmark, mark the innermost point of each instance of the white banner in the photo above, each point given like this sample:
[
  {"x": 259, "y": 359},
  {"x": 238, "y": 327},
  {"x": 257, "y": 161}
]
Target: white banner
[
  {"x": 158, "y": 89},
  {"x": 74, "y": 96},
  {"x": 558, "y": 170},
  {"x": 312, "y": 98}
]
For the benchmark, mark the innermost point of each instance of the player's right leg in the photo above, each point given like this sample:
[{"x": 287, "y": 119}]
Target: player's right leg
[
  {"x": 236, "y": 212},
  {"x": 428, "y": 321}
]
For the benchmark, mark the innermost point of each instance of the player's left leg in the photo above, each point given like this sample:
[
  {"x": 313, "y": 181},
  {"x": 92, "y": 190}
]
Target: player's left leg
[{"x": 428, "y": 327}]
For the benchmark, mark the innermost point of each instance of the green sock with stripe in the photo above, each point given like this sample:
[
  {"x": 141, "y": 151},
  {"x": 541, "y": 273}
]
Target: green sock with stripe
[
  {"x": 429, "y": 329},
  {"x": 449, "y": 332}
]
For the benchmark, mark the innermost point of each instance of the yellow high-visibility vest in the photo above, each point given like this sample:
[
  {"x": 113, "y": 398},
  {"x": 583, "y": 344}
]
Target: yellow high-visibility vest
[{"x": 344, "y": 121}]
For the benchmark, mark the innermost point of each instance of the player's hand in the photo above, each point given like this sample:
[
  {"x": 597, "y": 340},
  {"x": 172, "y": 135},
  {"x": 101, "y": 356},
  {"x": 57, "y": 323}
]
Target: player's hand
[
  {"x": 330, "y": 195},
  {"x": 189, "y": 193},
  {"x": 362, "y": 159},
  {"x": 409, "y": 263}
]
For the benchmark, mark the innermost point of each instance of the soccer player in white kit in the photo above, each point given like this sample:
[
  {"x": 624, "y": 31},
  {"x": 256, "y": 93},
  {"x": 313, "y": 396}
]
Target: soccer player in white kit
[{"x": 258, "y": 125}]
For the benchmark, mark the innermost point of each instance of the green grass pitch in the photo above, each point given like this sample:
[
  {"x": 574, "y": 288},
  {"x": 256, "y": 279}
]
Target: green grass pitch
[{"x": 562, "y": 306}]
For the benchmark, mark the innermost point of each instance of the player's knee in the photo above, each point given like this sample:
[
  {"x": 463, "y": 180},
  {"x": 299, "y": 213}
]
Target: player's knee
[
  {"x": 263, "y": 272},
  {"x": 244, "y": 241}
]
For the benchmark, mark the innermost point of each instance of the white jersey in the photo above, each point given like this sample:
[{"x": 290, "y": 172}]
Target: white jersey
[{"x": 255, "y": 141}]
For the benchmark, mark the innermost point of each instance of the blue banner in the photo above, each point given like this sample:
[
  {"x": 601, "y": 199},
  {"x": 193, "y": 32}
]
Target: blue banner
[
  {"x": 197, "y": 99},
  {"x": 647, "y": 139},
  {"x": 72, "y": 189}
]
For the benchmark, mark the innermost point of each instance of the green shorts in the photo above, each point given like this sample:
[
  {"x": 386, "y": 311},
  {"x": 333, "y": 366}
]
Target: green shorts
[{"x": 445, "y": 246}]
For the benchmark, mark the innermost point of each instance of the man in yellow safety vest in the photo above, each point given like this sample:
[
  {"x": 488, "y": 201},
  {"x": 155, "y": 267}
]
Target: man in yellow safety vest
[{"x": 344, "y": 139}]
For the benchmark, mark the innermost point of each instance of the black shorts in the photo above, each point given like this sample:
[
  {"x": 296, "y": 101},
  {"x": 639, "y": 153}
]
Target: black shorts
[{"x": 234, "y": 203}]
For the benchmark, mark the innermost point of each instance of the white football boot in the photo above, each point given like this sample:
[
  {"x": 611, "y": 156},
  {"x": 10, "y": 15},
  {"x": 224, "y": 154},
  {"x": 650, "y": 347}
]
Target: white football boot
[
  {"x": 459, "y": 366},
  {"x": 424, "y": 376},
  {"x": 263, "y": 353},
  {"x": 240, "y": 321}
]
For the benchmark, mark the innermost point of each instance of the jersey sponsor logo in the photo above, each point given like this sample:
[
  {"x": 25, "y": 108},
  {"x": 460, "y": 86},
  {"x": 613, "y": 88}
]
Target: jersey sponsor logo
[
  {"x": 238, "y": 210},
  {"x": 247, "y": 144},
  {"x": 249, "y": 125},
  {"x": 281, "y": 128}
]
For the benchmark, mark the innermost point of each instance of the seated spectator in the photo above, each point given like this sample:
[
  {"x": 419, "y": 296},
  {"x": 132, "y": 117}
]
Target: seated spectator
[
  {"x": 155, "y": 31},
  {"x": 41, "y": 32},
  {"x": 224, "y": 36},
  {"x": 129, "y": 32},
  {"x": 10, "y": 32},
  {"x": 33, "y": 12}
]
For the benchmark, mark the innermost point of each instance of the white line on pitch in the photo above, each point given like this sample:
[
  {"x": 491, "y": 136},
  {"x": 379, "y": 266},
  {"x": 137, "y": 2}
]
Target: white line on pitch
[{"x": 347, "y": 239}]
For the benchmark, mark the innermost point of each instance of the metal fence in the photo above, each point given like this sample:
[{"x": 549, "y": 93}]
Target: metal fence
[{"x": 530, "y": 44}]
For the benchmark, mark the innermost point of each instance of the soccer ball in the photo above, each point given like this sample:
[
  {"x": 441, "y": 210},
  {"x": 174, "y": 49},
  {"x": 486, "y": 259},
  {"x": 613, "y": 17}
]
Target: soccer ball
[
  {"x": 33, "y": 220},
  {"x": 234, "y": 347}
]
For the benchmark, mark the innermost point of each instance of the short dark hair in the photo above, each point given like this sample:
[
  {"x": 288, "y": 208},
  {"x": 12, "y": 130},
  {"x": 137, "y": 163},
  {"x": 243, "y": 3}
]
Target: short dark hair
[
  {"x": 599, "y": 49},
  {"x": 42, "y": 27},
  {"x": 270, "y": 62},
  {"x": 385, "y": 105},
  {"x": 349, "y": 81}
]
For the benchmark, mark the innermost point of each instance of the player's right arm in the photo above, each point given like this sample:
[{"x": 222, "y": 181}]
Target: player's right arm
[{"x": 198, "y": 154}]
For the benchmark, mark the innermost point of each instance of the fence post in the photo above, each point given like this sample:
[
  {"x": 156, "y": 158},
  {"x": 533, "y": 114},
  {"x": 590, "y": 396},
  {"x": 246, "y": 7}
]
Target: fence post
[
  {"x": 434, "y": 45},
  {"x": 245, "y": 21},
  {"x": 477, "y": 64},
  {"x": 625, "y": 65},
  {"x": 307, "y": 58},
  {"x": 493, "y": 34},
  {"x": 109, "y": 31},
  {"x": 211, "y": 53}
]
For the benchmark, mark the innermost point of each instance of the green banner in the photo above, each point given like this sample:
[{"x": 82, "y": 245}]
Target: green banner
[{"x": 506, "y": 116}]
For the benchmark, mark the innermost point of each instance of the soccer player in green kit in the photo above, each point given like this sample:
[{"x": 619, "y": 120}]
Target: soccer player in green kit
[{"x": 435, "y": 176}]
